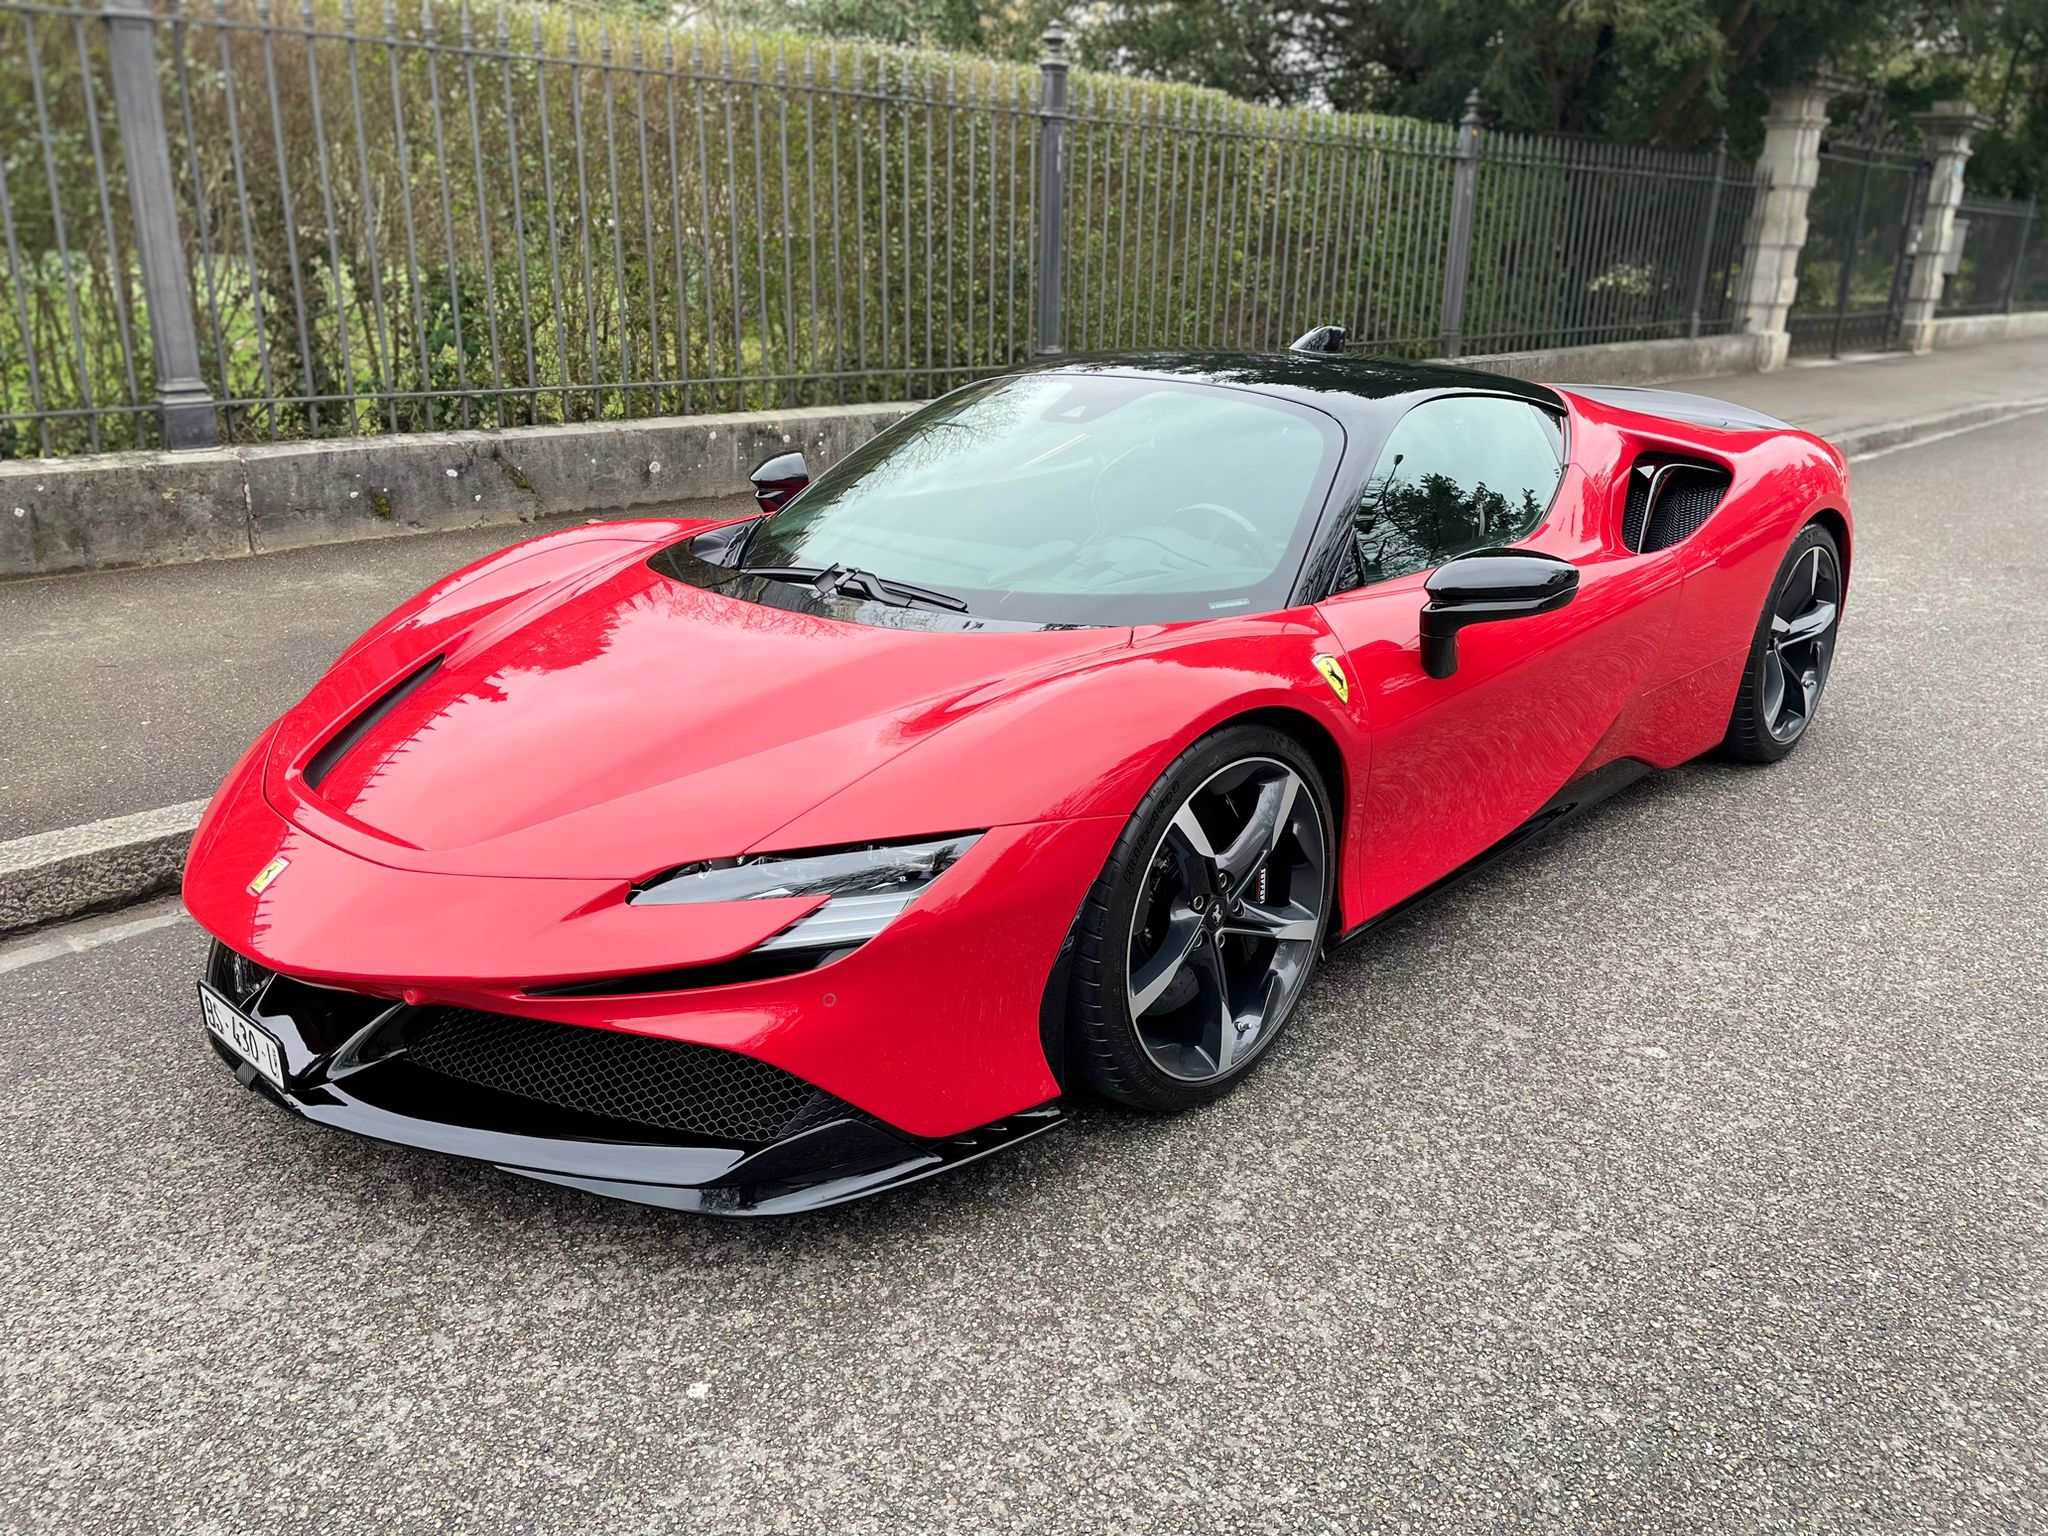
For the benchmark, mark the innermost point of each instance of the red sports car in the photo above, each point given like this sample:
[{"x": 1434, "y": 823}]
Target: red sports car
[{"x": 1044, "y": 744}]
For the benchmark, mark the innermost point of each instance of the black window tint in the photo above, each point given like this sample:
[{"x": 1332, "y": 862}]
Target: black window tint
[{"x": 1456, "y": 475}]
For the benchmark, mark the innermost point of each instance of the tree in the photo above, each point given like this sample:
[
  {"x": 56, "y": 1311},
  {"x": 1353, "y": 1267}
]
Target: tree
[
  {"x": 988, "y": 27},
  {"x": 1663, "y": 72}
]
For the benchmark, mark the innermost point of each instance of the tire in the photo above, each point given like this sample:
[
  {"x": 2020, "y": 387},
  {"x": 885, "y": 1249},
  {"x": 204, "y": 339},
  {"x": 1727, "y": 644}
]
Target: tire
[
  {"x": 1787, "y": 668},
  {"x": 1161, "y": 1035}
]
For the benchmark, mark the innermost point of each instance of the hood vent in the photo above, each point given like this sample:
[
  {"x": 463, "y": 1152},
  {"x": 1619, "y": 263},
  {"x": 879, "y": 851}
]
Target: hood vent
[
  {"x": 1668, "y": 500},
  {"x": 344, "y": 740}
]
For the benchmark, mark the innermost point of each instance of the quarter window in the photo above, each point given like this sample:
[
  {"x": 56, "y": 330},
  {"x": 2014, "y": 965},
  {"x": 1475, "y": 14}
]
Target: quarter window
[{"x": 1460, "y": 473}]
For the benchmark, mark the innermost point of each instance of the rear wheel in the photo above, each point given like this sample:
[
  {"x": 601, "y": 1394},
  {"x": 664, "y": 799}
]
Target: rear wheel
[
  {"x": 1199, "y": 937},
  {"x": 1792, "y": 653}
]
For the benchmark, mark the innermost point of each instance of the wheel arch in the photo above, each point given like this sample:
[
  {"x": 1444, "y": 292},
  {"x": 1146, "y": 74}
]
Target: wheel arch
[
  {"x": 1315, "y": 739},
  {"x": 1837, "y": 526}
]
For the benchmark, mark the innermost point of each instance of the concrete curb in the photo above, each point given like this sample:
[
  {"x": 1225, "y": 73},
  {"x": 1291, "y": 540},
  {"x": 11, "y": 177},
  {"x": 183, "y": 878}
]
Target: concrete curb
[
  {"x": 52, "y": 876},
  {"x": 1638, "y": 362},
  {"x": 1974, "y": 330},
  {"x": 160, "y": 508},
  {"x": 1917, "y": 429}
]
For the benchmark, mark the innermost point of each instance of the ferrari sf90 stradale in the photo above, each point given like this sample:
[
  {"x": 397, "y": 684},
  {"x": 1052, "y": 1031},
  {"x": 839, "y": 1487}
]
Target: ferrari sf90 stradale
[{"x": 1042, "y": 745}]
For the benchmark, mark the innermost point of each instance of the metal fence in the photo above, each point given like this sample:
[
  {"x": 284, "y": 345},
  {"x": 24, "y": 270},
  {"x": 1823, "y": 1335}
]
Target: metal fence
[
  {"x": 1862, "y": 229},
  {"x": 234, "y": 222},
  {"x": 1990, "y": 272}
]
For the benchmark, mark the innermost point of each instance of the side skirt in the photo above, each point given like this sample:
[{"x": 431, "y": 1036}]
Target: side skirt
[{"x": 1576, "y": 797}]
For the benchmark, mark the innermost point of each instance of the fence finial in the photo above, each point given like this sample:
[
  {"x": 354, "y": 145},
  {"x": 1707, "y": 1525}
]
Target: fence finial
[
  {"x": 1054, "y": 37},
  {"x": 1473, "y": 102}
]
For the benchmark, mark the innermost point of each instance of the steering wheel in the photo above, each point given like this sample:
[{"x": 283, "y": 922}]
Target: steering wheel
[{"x": 1238, "y": 529}]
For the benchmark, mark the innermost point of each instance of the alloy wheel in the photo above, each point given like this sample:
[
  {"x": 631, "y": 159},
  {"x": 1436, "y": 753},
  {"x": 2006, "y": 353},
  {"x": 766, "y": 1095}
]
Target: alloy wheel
[
  {"x": 1226, "y": 928},
  {"x": 1802, "y": 643}
]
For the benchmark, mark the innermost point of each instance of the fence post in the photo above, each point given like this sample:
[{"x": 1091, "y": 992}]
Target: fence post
[
  {"x": 1464, "y": 200},
  {"x": 1704, "y": 255},
  {"x": 2019, "y": 254},
  {"x": 182, "y": 399},
  {"x": 1052, "y": 183},
  {"x": 1948, "y": 127},
  {"x": 1790, "y": 168}
]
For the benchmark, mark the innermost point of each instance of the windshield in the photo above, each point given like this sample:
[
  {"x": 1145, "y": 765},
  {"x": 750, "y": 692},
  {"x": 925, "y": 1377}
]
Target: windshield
[{"x": 1074, "y": 498}]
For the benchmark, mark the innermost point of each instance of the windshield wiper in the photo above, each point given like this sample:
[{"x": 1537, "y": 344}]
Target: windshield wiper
[{"x": 831, "y": 580}]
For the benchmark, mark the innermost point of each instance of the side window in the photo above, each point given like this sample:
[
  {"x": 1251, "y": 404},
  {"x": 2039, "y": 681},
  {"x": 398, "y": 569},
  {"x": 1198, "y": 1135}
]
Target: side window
[{"x": 1457, "y": 474}]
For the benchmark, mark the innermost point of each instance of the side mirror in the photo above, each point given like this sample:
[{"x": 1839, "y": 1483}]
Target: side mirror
[
  {"x": 778, "y": 480},
  {"x": 1485, "y": 586}
]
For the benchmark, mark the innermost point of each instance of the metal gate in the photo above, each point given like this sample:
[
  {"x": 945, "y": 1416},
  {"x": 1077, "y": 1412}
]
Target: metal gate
[{"x": 1863, "y": 226}]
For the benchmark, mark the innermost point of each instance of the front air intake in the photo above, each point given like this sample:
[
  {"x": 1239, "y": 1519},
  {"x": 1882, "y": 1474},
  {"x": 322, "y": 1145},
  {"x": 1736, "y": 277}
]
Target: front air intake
[
  {"x": 671, "y": 1085},
  {"x": 1668, "y": 501}
]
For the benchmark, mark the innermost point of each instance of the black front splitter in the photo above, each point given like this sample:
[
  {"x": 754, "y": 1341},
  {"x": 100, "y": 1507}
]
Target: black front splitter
[{"x": 822, "y": 1165}]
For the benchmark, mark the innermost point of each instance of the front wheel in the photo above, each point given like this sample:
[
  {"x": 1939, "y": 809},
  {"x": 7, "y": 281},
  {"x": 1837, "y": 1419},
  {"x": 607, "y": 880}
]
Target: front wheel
[
  {"x": 1792, "y": 653},
  {"x": 1197, "y": 941}
]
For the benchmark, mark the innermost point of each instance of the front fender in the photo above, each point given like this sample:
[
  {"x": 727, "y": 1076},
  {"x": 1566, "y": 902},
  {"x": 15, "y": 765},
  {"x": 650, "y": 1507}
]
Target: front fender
[{"x": 1089, "y": 740}]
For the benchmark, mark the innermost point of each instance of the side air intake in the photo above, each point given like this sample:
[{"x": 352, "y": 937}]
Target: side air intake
[{"x": 1668, "y": 500}]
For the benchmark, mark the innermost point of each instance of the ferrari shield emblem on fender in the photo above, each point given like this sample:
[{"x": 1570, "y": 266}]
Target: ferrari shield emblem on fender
[
  {"x": 1333, "y": 674},
  {"x": 266, "y": 874}
]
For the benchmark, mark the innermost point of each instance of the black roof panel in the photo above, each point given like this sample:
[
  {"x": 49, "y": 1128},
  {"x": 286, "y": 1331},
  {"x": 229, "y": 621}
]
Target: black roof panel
[{"x": 1318, "y": 373}]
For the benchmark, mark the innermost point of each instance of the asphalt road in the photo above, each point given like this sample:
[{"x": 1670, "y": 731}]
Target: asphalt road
[{"x": 1686, "y": 1174}]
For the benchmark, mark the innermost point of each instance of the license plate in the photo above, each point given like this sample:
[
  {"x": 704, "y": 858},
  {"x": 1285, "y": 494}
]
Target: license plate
[{"x": 242, "y": 1035}]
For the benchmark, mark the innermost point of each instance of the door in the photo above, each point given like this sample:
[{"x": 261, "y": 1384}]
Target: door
[{"x": 1458, "y": 763}]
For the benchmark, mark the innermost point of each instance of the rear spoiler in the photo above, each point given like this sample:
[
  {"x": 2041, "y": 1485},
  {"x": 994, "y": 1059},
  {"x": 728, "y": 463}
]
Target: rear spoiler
[{"x": 1676, "y": 405}]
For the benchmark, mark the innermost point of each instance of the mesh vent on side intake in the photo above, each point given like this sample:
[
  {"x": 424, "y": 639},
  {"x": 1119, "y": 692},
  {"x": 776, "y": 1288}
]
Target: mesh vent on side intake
[{"x": 1668, "y": 501}]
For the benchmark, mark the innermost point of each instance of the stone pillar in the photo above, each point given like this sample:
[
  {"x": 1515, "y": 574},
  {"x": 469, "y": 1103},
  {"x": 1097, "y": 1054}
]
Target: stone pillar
[
  {"x": 1947, "y": 126},
  {"x": 1791, "y": 160}
]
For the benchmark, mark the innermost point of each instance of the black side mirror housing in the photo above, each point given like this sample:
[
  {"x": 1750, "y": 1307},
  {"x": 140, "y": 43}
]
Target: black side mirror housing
[
  {"x": 778, "y": 480},
  {"x": 1486, "y": 586}
]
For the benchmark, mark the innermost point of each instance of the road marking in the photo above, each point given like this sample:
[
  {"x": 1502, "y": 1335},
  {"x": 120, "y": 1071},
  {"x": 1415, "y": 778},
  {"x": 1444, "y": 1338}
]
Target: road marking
[
  {"x": 1942, "y": 437},
  {"x": 77, "y": 938}
]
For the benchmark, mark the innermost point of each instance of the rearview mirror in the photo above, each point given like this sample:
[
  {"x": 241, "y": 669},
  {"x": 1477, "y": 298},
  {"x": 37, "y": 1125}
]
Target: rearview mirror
[
  {"x": 778, "y": 480},
  {"x": 1483, "y": 587}
]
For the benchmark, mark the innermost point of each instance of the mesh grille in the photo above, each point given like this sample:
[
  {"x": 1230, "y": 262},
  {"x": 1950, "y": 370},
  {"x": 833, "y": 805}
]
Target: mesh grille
[
  {"x": 669, "y": 1084},
  {"x": 1632, "y": 514},
  {"x": 1686, "y": 498}
]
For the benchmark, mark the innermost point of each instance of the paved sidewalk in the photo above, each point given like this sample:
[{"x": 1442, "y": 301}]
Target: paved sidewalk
[
  {"x": 125, "y": 691},
  {"x": 1840, "y": 399}
]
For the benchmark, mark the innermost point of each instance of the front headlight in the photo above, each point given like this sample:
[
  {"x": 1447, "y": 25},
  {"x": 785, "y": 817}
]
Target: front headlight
[{"x": 868, "y": 886}]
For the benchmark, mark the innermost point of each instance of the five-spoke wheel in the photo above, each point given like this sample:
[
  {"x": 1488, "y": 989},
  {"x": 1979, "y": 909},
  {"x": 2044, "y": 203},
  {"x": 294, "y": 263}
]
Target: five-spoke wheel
[
  {"x": 1802, "y": 641},
  {"x": 1794, "y": 647},
  {"x": 1202, "y": 933}
]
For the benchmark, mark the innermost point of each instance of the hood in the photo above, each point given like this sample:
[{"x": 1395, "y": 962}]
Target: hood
[{"x": 625, "y": 723}]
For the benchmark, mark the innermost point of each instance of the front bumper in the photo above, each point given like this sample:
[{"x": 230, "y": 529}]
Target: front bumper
[
  {"x": 935, "y": 1027},
  {"x": 714, "y": 1132}
]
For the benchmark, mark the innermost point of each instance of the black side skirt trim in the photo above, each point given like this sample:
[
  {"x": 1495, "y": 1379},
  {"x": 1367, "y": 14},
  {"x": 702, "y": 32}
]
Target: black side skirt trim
[{"x": 1576, "y": 797}]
